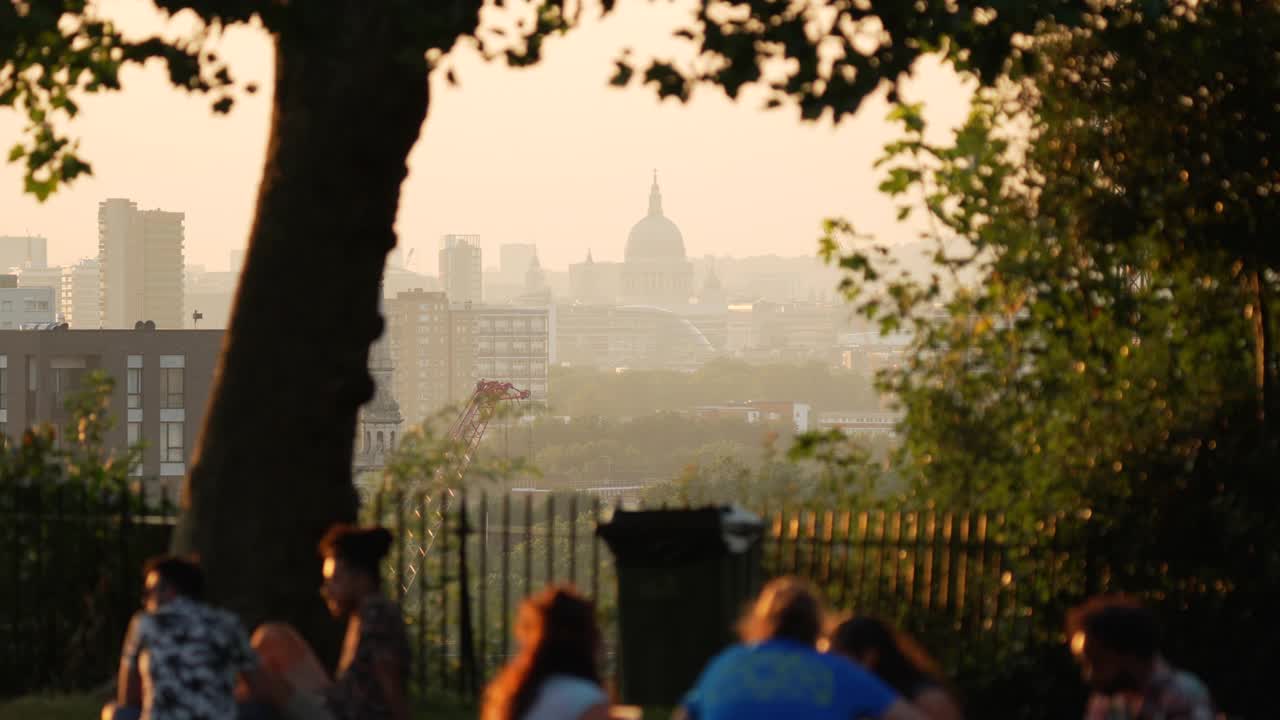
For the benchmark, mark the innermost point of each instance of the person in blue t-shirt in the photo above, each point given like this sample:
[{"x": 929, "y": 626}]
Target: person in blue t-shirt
[{"x": 776, "y": 672}]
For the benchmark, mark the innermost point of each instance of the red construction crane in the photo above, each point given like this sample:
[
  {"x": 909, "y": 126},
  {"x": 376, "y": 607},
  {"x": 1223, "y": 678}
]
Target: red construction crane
[{"x": 465, "y": 434}]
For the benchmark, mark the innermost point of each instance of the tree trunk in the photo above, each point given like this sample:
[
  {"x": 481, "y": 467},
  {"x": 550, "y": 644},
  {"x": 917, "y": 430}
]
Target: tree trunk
[{"x": 273, "y": 468}]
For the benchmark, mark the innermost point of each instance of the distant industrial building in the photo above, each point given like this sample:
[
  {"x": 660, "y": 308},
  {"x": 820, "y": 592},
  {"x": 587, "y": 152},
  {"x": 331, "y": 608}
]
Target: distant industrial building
[
  {"x": 754, "y": 411},
  {"x": 25, "y": 306},
  {"x": 461, "y": 268},
  {"x": 163, "y": 380},
  {"x": 140, "y": 256},
  {"x": 17, "y": 252},
  {"x": 861, "y": 422}
]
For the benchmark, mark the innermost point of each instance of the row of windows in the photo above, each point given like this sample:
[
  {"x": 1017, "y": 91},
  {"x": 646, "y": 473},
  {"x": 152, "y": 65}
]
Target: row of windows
[{"x": 520, "y": 325}]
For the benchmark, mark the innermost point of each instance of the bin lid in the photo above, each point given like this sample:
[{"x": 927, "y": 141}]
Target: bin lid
[{"x": 666, "y": 538}]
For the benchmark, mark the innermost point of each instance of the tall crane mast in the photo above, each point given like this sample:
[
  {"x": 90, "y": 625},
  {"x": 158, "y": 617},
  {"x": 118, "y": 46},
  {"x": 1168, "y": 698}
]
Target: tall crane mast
[{"x": 465, "y": 433}]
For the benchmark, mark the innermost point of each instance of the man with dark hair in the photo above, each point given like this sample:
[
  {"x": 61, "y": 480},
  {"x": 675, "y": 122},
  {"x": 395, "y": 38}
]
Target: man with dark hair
[
  {"x": 777, "y": 672},
  {"x": 181, "y": 657},
  {"x": 1117, "y": 643}
]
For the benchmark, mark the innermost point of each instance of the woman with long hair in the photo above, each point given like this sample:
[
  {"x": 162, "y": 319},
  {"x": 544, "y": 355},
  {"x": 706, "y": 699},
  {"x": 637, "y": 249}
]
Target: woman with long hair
[
  {"x": 897, "y": 660},
  {"x": 555, "y": 675},
  {"x": 372, "y": 675}
]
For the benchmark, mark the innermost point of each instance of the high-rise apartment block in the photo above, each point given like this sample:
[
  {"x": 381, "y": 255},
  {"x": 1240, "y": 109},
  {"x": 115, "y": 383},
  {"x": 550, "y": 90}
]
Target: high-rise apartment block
[
  {"x": 440, "y": 349},
  {"x": 432, "y": 355},
  {"x": 140, "y": 265},
  {"x": 80, "y": 296},
  {"x": 512, "y": 345},
  {"x": 22, "y": 251},
  {"x": 461, "y": 272}
]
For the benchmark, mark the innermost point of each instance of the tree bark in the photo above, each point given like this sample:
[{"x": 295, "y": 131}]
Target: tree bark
[{"x": 273, "y": 467}]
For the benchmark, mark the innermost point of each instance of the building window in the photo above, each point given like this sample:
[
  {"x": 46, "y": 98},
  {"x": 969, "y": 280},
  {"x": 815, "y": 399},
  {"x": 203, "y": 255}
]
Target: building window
[
  {"x": 4, "y": 388},
  {"x": 135, "y": 433},
  {"x": 65, "y": 382},
  {"x": 171, "y": 442},
  {"x": 134, "y": 387},
  {"x": 171, "y": 389},
  {"x": 36, "y": 305},
  {"x": 6, "y": 306}
]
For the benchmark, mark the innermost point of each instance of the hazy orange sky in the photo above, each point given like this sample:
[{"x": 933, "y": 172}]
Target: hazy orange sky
[{"x": 550, "y": 155}]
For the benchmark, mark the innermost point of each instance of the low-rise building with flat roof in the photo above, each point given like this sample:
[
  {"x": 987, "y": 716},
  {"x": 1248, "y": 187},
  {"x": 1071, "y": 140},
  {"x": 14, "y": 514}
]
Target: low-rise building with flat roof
[{"x": 163, "y": 380}]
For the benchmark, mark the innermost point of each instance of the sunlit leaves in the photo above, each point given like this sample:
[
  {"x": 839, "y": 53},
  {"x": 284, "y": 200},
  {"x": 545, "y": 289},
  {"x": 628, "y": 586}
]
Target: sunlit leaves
[
  {"x": 1106, "y": 330},
  {"x": 51, "y": 51}
]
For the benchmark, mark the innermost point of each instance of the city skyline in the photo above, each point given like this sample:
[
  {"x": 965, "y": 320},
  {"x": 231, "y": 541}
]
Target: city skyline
[{"x": 574, "y": 177}]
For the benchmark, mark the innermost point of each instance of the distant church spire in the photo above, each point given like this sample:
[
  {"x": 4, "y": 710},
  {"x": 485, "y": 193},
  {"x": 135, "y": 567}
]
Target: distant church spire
[{"x": 655, "y": 196}]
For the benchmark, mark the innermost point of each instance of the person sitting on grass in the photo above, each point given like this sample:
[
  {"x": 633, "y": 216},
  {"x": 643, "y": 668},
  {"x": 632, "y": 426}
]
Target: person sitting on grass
[
  {"x": 556, "y": 675},
  {"x": 898, "y": 661},
  {"x": 1116, "y": 641},
  {"x": 181, "y": 657},
  {"x": 777, "y": 672},
  {"x": 374, "y": 668}
]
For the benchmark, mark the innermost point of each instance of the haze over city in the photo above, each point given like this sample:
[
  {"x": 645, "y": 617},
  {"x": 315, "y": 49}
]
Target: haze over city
[{"x": 550, "y": 155}]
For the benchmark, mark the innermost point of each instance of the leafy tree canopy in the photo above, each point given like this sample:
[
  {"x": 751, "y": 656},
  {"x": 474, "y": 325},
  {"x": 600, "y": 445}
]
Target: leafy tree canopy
[{"x": 817, "y": 55}]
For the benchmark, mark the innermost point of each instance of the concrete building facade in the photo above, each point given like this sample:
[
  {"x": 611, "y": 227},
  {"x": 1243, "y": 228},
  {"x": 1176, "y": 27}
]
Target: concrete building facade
[
  {"x": 461, "y": 268},
  {"x": 441, "y": 349},
  {"x": 79, "y": 295},
  {"x": 140, "y": 256},
  {"x": 512, "y": 345},
  {"x": 25, "y": 306},
  {"x": 163, "y": 379},
  {"x": 431, "y": 370}
]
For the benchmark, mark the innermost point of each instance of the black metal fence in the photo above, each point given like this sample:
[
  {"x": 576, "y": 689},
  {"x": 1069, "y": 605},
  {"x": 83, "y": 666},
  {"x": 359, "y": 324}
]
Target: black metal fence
[
  {"x": 70, "y": 559},
  {"x": 460, "y": 570},
  {"x": 988, "y": 606}
]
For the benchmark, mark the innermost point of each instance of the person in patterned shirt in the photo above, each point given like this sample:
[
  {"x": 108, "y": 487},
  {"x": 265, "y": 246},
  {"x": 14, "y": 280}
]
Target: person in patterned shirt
[
  {"x": 1115, "y": 640},
  {"x": 181, "y": 657},
  {"x": 374, "y": 668}
]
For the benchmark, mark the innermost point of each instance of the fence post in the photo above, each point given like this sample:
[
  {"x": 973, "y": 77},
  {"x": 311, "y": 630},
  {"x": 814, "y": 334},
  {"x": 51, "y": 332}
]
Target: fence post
[
  {"x": 551, "y": 537},
  {"x": 482, "y": 608},
  {"x": 421, "y": 581},
  {"x": 443, "y": 589},
  {"x": 506, "y": 574},
  {"x": 467, "y": 675}
]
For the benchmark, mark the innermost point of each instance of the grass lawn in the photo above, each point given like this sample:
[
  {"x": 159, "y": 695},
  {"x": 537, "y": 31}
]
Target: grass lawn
[
  {"x": 86, "y": 707},
  {"x": 51, "y": 707}
]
